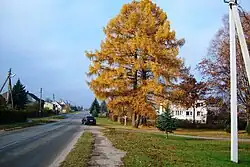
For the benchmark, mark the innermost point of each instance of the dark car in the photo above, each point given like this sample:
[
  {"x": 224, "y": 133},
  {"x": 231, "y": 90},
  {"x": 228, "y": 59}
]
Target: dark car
[{"x": 89, "y": 120}]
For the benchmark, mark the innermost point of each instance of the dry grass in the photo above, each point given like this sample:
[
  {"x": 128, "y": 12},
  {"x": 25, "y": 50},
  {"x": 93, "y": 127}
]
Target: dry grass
[{"x": 81, "y": 153}]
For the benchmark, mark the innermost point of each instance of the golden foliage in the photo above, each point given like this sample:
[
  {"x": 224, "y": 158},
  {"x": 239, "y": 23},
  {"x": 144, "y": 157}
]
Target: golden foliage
[{"x": 137, "y": 60}]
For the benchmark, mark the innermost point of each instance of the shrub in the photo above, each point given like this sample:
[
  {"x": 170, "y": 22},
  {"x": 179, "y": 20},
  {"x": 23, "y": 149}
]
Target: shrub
[
  {"x": 248, "y": 129},
  {"x": 102, "y": 115},
  {"x": 242, "y": 123},
  {"x": 151, "y": 122},
  {"x": 228, "y": 128},
  {"x": 32, "y": 110},
  {"x": 165, "y": 122},
  {"x": 48, "y": 112},
  {"x": 12, "y": 116},
  {"x": 189, "y": 125}
]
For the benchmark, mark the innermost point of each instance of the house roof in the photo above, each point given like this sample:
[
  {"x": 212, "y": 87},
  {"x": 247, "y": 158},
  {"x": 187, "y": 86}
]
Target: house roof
[
  {"x": 56, "y": 103},
  {"x": 34, "y": 97}
]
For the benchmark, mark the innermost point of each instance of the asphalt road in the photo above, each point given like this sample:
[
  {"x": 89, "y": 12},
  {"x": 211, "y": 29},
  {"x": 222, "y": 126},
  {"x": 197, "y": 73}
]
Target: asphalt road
[{"x": 38, "y": 146}]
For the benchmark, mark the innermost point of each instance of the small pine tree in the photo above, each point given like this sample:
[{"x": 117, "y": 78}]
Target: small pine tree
[
  {"x": 19, "y": 95},
  {"x": 165, "y": 122},
  {"x": 95, "y": 108},
  {"x": 103, "y": 108},
  {"x": 94, "y": 113}
]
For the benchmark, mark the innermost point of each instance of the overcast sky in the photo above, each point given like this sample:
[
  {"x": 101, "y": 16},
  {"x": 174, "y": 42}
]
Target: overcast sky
[{"x": 44, "y": 41}]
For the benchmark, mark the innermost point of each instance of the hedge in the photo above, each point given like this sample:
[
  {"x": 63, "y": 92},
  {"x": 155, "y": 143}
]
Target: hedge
[
  {"x": 12, "y": 116},
  {"x": 189, "y": 125}
]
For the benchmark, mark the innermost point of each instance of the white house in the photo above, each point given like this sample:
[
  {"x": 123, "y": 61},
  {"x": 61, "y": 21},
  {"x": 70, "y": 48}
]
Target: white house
[
  {"x": 187, "y": 113},
  {"x": 58, "y": 107},
  {"x": 49, "y": 105}
]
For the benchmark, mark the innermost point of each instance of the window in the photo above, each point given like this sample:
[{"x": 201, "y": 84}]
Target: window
[
  {"x": 202, "y": 114},
  {"x": 198, "y": 113},
  {"x": 203, "y": 120},
  {"x": 187, "y": 112},
  {"x": 190, "y": 113},
  {"x": 198, "y": 104},
  {"x": 176, "y": 113}
]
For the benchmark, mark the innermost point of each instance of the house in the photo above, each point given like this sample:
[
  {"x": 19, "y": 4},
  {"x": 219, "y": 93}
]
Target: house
[
  {"x": 32, "y": 100},
  {"x": 57, "y": 106},
  {"x": 60, "y": 107},
  {"x": 183, "y": 113},
  {"x": 5, "y": 96},
  {"x": 49, "y": 105},
  {"x": 65, "y": 107},
  {"x": 2, "y": 100}
]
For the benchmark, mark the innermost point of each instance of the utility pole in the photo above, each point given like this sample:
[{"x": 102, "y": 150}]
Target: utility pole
[
  {"x": 4, "y": 83},
  {"x": 9, "y": 92},
  {"x": 234, "y": 22},
  {"x": 10, "y": 89},
  {"x": 54, "y": 97},
  {"x": 233, "y": 75},
  {"x": 41, "y": 93}
]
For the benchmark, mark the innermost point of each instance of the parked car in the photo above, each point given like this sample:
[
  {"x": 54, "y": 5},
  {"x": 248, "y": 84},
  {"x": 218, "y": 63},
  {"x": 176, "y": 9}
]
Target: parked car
[{"x": 89, "y": 120}]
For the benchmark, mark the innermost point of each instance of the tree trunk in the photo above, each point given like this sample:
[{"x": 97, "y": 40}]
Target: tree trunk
[
  {"x": 167, "y": 134},
  {"x": 119, "y": 119},
  {"x": 134, "y": 119},
  {"x": 248, "y": 117},
  {"x": 125, "y": 120},
  {"x": 138, "y": 121},
  {"x": 134, "y": 115},
  {"x": 194, "y": 114},
  {"x": 144, "y": 121}
]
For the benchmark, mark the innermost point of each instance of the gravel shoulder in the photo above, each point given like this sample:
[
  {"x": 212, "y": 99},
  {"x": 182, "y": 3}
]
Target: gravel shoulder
[{"x": 104, "y": 154}]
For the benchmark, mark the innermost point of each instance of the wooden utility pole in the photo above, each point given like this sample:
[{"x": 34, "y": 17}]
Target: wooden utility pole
[
  {"x": 10, "y": 89},
  {"x": 9, "y": 92},
  {"x": 41, "y": 94},
  {"x": 54, "y": 97}
]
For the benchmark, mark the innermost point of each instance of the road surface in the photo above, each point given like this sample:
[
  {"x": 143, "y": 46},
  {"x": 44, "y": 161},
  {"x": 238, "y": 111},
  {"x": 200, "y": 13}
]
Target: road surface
[{"x": 38, "y": 146}]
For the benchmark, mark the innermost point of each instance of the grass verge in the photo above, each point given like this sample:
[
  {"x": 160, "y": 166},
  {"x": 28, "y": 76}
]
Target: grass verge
[
  {"x": 210, "y": 133},
  {"x": 21, "y": 125},
  {"x": 81, "y": 152},
  {"x": 147, "y": 149},
  {"x": 105, "y": 122}
]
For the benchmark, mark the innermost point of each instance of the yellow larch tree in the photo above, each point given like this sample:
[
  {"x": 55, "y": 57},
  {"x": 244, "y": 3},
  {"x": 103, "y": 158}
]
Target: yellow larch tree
[{"x": 137, "y": 63}]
